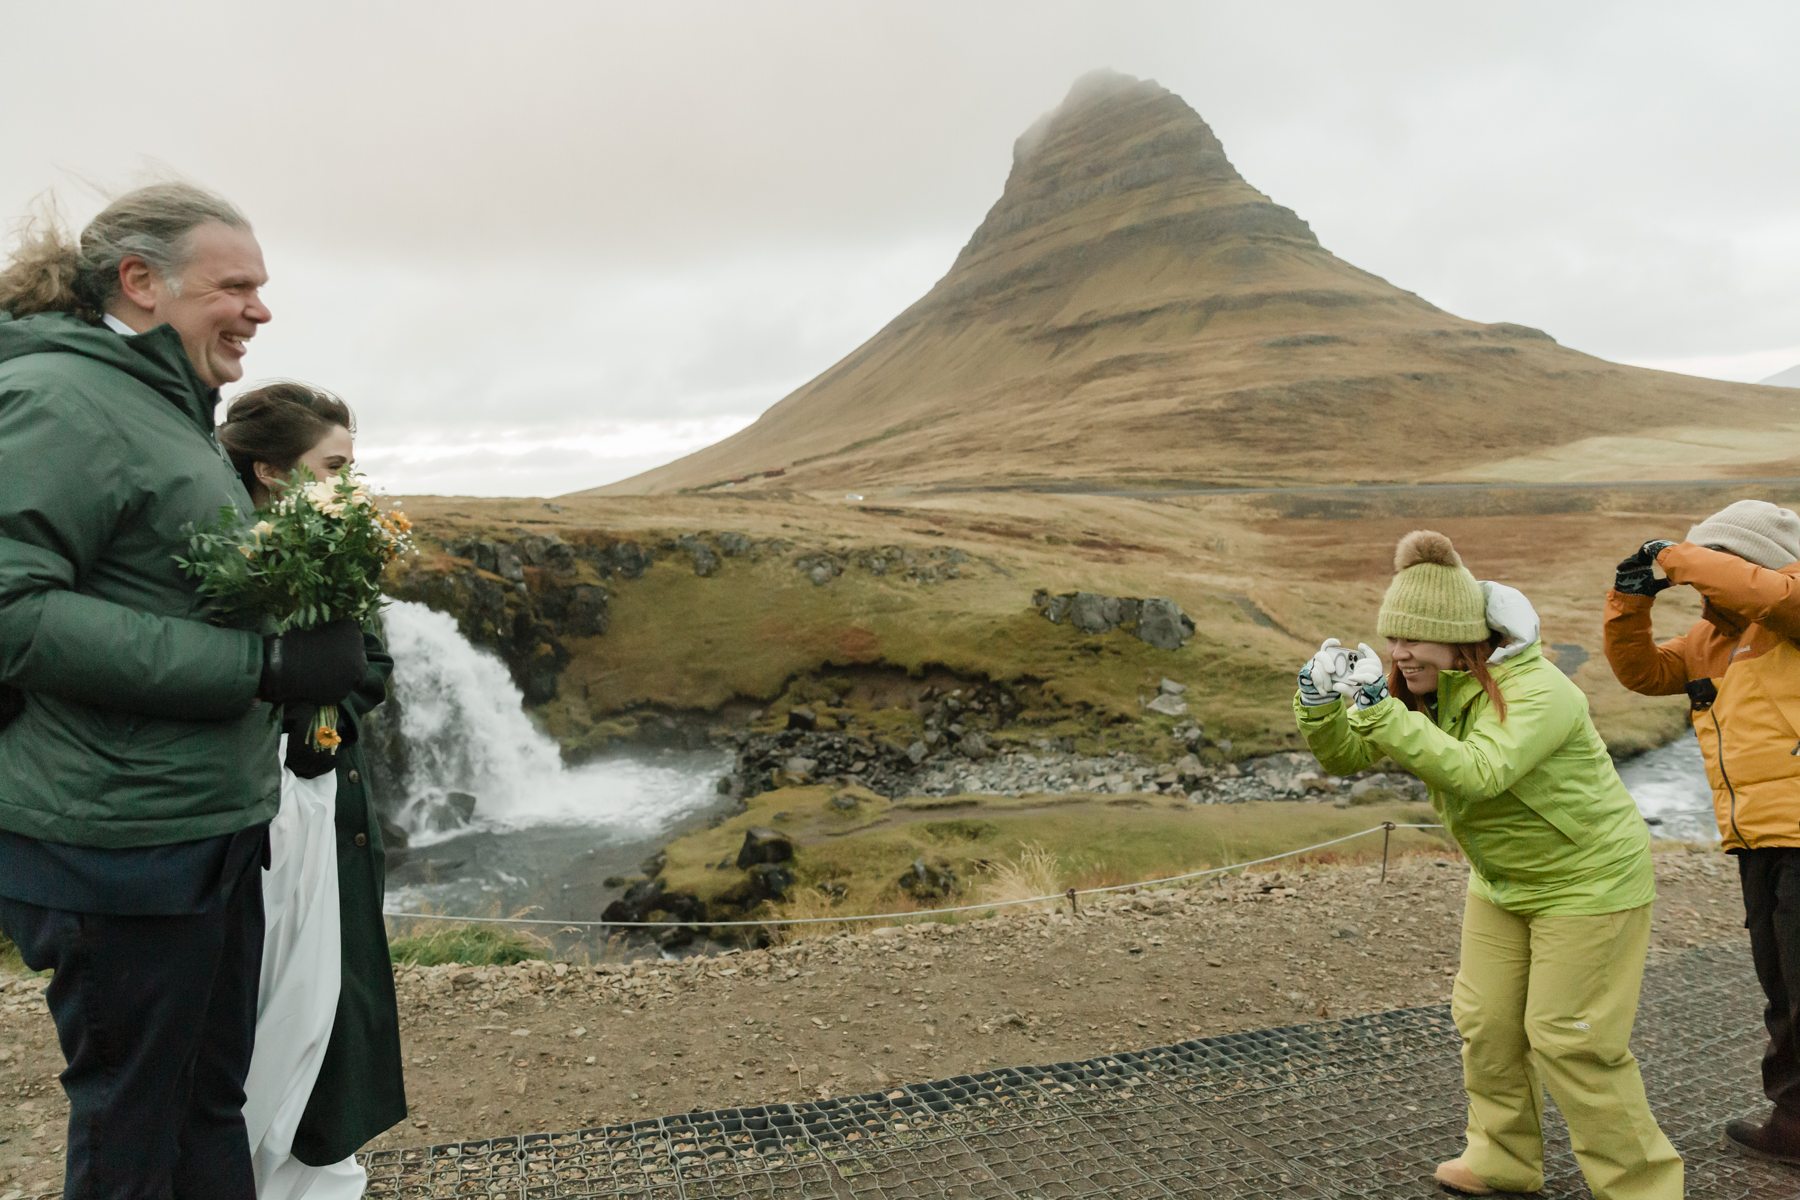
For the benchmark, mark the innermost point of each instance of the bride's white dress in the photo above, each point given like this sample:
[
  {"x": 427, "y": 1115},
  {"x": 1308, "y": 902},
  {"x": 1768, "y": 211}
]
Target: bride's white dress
[{"x": 301, "y": 974}]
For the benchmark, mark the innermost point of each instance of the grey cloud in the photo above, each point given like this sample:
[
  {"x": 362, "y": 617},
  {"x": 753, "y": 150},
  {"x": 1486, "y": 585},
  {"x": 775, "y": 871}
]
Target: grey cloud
[{"x": 543, "y": 218}]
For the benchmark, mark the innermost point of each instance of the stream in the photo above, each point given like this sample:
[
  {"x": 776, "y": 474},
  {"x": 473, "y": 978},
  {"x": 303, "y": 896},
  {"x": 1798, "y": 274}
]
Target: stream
[{"x": 1669, "y": 785}]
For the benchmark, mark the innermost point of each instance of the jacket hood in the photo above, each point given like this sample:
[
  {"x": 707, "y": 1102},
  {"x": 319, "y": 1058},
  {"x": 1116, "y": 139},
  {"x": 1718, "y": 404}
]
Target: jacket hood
[
  {"x": 1509, "y": 612},
  {"x": 156, "y": 359}
]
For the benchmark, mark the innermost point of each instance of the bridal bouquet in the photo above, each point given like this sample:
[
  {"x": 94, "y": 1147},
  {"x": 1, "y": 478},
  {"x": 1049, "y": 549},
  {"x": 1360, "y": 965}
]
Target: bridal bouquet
[{"x": 315, "y": 555}]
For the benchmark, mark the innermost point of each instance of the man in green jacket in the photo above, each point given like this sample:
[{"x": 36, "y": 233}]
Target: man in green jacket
[{"x": 138, "y": 764}]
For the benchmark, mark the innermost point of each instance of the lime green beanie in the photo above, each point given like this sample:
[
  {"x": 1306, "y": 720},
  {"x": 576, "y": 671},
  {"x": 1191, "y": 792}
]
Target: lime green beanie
[{"x": 1433, "y": 597}]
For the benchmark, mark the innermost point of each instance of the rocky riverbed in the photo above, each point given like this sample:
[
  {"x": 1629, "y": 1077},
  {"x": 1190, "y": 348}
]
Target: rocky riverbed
[{"x": 977, "y": 765}]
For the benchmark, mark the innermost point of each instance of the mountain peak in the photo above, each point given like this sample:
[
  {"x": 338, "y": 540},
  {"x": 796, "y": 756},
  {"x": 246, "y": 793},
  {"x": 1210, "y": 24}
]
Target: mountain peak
[
  {"x": 1131, "y": 310},
  {"x": 1117, "y": 142}
]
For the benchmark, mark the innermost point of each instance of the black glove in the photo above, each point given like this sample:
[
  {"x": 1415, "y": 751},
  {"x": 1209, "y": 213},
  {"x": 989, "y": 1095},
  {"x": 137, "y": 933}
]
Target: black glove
[
  {"x": 1637, "y": 574},
  {"x": 303, "y": 758},
  {"x": 322, "y": 665}
]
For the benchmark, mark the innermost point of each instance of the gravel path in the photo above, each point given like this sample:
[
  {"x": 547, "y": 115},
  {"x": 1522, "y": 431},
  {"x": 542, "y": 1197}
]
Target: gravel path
[{"x": 561, "y": 1046}]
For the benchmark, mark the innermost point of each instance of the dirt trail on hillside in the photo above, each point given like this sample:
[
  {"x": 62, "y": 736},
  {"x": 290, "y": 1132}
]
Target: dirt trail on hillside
[{"x": 561, "y": 1046}]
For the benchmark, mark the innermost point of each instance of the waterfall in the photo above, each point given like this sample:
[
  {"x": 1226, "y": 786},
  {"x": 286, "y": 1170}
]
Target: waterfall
[{"x": 474, "y": 760}]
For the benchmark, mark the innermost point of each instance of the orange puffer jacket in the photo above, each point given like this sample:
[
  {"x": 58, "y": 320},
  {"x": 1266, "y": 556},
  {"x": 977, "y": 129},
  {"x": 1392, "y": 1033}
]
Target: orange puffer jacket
[{"x": 1740, "y": 666}]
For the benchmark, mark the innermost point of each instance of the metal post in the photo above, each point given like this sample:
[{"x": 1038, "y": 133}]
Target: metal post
[
  {"x": 1387, "y": 832},
  {"x": 1074, "y": 908}
]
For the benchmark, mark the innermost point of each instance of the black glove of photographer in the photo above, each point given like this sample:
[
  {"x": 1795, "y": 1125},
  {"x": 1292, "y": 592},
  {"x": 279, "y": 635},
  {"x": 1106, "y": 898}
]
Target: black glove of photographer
[
  {"x": 1637, "y": 574},
  {"x": 320, "y": 665},
  {"x": 303, "y": 759}
]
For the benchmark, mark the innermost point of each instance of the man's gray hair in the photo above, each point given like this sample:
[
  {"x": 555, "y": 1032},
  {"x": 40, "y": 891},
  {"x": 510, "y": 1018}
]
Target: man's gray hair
[{"x": 48, "y": 272}]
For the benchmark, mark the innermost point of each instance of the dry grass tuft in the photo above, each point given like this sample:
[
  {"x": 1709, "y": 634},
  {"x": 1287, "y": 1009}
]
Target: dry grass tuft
[
  {"x": 1037, "y": 871},
  {"x": 809, "y": 904}
]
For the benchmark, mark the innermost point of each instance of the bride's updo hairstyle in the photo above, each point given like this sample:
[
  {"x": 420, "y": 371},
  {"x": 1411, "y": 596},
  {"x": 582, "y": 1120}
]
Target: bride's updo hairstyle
[{"x": 276, "y": 424}]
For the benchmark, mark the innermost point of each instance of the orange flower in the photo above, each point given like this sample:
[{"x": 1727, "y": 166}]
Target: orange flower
[{"x": 327, "y": 738}]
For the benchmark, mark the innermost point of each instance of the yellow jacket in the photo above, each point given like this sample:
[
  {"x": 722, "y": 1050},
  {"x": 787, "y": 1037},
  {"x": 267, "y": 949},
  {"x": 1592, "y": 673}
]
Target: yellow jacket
[{"x": 1740, "y": 666}]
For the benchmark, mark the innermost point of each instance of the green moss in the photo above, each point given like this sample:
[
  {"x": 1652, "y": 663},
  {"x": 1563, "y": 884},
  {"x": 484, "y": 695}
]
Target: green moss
[
  {"x": 764, "y": 631},
  {"x": 1099, "y": 840},
  {"x": 474, "y": 945}
]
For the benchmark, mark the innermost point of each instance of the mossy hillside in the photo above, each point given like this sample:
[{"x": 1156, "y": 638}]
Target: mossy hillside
[
  {"x": 1263, "y": 592},
  {"x": 755, "y": 628},
  {"x": 1098, "y": 839}
]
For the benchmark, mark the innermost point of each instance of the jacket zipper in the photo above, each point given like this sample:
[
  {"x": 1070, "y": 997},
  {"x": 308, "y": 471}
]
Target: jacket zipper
[{"x": 1726, "y": 776}]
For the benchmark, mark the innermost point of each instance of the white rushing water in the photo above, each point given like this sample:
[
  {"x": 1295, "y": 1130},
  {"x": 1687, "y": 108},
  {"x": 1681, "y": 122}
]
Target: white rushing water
[
  {"x": 467, "y": 735},
  {"x": 1669, "y": 783}
]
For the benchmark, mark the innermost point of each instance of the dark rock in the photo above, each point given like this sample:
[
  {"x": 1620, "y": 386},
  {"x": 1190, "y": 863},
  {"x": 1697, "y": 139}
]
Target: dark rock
[
  {"x": 1162, "y": 623},
  {"x": 507, "y": 564},
  {"x": 802, "y": 718},
  {"x": 463, "y": 804},
  {"x": 764, "y": 845},
  {"x": 734, "y": 545},
  {"x": 626, "y": 559},
  {"x": 1088, "y": 612},
  {"x": 973, "y": 745},
  {"x": 706, "y": 562},
  {"x": 924, "y": 881},
  {"x": 586, "y": 613},
  {"x": 635, "y": 904},
  {"x": 675, "y": 906},
  {"x": 844, "y": 801},
  {"x": 770, "y": 881}
]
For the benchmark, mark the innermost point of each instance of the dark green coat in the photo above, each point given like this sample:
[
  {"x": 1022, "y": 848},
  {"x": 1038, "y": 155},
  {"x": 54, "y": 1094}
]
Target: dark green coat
[
  {"x": 360, "y": 1091},
  {"x": 139, "y": 726}
]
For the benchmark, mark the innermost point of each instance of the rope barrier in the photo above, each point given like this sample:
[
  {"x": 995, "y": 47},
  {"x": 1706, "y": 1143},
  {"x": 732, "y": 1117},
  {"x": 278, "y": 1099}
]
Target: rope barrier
[{"x": 1385, "y": 828}]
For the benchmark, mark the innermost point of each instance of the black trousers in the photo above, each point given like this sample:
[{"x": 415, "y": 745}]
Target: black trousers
[
  {"x": 156, "y": 1016},
  {"x": 1771, "y": 879}
]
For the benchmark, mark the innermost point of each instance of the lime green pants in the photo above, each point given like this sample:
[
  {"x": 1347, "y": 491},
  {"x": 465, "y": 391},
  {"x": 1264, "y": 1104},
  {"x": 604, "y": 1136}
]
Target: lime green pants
[{"x": 1549, "y": 1002}]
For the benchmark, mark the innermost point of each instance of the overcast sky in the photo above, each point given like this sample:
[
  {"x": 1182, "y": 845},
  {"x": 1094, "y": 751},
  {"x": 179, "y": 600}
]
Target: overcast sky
[{"x": 541, "y": 246}]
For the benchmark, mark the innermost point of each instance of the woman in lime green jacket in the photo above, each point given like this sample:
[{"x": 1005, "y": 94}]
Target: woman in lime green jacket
[{"x": 1557, "y": 921}]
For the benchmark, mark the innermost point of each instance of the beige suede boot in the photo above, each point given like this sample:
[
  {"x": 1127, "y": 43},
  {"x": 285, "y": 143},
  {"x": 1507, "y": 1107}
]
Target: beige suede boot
[{"x": 1455, "y": 1176}]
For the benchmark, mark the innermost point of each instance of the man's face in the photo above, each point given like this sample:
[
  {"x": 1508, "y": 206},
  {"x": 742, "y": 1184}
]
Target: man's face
[{"x": 218, "y": 308}]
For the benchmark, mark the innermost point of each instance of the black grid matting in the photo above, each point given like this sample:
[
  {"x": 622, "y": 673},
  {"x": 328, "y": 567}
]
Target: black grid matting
[{"x": 1354, "y": 1108}]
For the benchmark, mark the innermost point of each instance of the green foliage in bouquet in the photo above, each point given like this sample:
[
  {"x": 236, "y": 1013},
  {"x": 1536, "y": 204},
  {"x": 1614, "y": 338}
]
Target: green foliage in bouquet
[{"x": 315, "y": 555}]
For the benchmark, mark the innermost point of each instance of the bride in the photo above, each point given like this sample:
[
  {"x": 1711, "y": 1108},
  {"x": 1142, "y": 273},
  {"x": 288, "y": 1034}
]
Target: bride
[{"x": 325, "y": 1075}]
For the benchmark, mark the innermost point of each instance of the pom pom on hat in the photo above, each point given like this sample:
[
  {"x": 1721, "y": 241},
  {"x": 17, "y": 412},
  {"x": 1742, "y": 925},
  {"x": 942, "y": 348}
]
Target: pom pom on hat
[
  {"x": 1425, "y": 546},
  {"x": 1433, "y": 597}
]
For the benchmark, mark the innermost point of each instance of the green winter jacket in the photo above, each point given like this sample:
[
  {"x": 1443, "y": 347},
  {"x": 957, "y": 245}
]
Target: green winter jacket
[
  {"x": 1533, "y": 801},
  {"x": 140, "y": 726}
]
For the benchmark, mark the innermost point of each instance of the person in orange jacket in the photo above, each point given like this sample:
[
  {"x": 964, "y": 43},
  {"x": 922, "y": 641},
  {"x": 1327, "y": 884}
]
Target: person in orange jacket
[{"x": 1740, "y": 667}]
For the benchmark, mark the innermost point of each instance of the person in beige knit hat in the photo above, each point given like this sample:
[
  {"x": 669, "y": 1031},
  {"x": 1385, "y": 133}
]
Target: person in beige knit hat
[
  {"x": 1557, "y": 921},
  {"x": 1740, "y": 667}
]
